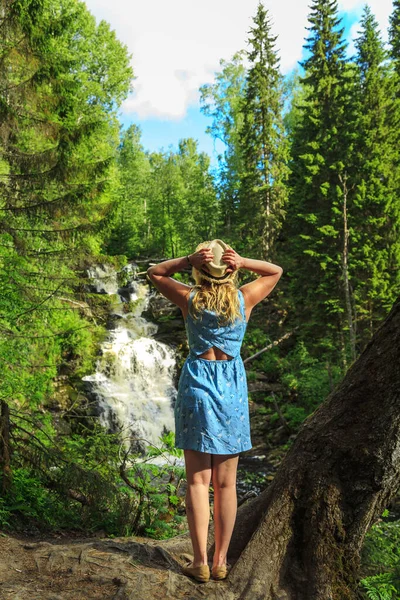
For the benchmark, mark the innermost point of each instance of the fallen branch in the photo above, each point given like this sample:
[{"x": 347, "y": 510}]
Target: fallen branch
[
  {"x": 284, "y": 337},
  {"x": 84, "y": 305},
  {"x": 84, "y": 500}
]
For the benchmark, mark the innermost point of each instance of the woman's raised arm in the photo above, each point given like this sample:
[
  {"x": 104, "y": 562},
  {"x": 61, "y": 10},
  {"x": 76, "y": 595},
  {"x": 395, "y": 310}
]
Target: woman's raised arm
[
  {"x": 260, "y": 288},
  {"x": 174, "y": 290}
]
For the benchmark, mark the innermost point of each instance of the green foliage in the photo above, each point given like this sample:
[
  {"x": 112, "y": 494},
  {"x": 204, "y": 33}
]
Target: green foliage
[
  {"x": 382, "y": 544},
  {"x": 264, "y": 147},
  {"x": 90, "y": 482},
  {"x": 223, "y": 102},
  {"x": 255, "y": 339},
  {"x": 394, "y": 35},
  {"x": 382, "y": 586},
  {"x": 375, "y": 178},
  {"x": 319, "y": 143},
  {"x": 161, "y": 200},
  {"x": 342, "y": 216},
  {"x": 30, "y": 502},
  {"x": 251, "y": 376},
  {"x": 268, "y": 362},
  {"x": 294, "y": 415},
  {"x": 252, "y": 479},
  {"x": 381, "y": 553},
  {"x": 58, "y": 150},
  {"x": 306, "y": 377}
]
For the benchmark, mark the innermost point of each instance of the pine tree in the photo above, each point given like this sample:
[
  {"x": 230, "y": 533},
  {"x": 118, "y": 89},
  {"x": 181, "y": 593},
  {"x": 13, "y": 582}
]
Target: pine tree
[
  {"x": 315, "y": 228},
  {"x": 394, "y": 35},
  {"x": 264, "y": 147},
  {"x": 372, "y": 222}
]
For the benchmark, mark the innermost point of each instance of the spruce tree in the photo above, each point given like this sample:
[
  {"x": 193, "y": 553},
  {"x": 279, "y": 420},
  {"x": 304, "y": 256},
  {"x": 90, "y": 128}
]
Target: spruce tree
[
  {"x": 62, "y": 79},
  {"x": 372, "y": 221},
  {"x": 264, "y": 147},
  {"x": 314, "y": 232},
  {"x": 394, "y": 37}
]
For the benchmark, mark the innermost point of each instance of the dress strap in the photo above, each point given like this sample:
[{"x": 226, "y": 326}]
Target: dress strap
[
  {"x": 190, "y": 298},
  {"x": 242, "y": 303}
]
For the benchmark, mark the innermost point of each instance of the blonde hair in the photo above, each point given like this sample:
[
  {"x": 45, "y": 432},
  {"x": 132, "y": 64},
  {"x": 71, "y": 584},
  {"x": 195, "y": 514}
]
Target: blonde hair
[{"x": 219, "y": 296}]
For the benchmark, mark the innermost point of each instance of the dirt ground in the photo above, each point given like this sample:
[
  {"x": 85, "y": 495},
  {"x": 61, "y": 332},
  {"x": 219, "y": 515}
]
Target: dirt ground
[
  {"x": 21, "y": 576},
  {"x": 94, "y": 569}
]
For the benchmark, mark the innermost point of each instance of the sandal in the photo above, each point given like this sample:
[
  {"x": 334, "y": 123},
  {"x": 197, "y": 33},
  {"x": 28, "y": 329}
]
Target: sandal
[
  {"x": 220, "y": 571},
  {"x": 201, "y": 573}
]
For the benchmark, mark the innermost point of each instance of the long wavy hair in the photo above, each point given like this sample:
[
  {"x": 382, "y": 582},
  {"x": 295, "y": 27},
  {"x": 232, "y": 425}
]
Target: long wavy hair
[{"x": 221, "y": 297}]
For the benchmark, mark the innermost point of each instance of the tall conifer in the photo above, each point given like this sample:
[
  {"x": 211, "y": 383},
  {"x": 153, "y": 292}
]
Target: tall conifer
[
  {"x": 264, "y": 147},
  {"x": 314, "y": 232},
  {"x": 371, "y": 241},
  {"x": 394, "y": 37}
]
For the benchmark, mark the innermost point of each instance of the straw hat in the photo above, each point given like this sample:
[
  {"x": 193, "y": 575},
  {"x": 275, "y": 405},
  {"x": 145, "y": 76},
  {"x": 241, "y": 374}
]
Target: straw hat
[{"x": 216, "y": 270}]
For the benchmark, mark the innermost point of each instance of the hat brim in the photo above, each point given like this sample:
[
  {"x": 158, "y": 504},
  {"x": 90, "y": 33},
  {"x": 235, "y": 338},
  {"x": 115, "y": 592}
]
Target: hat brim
[
  {"x": 204, "y": 275},
  {"x": 226, "y": 275}
]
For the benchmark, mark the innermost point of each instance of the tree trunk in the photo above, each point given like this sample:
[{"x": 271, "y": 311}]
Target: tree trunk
[
  {"x": 345, "y": 267},
  {"x": 301, "y": 538},
  {"x": 5, "y": 458}
]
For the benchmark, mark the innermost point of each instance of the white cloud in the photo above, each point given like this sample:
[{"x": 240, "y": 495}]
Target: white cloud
[
  {"x": 177, "y": 45},
  {"x": 380, "y": 8}
]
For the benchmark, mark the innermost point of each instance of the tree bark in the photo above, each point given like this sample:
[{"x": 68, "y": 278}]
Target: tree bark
[
  {"x": 345, "y": 267},
  {"x": 5, "y": 452},
  {"x": 301, "y": 538}
]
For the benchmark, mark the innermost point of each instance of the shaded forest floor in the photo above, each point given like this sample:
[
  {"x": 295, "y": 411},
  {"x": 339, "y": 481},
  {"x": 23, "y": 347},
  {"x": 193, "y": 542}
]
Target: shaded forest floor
[
  {"x": 69, "y": 565},
  {"x": 108, "y": 569}
]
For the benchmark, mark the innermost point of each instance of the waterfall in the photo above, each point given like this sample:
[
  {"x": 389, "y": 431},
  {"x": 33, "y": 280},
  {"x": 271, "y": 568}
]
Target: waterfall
[{"x": 133, "y": 382}]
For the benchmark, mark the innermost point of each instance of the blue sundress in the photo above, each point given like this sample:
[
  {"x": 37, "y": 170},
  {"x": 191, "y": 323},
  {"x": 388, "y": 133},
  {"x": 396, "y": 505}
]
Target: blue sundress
[{"x": 212, "y": 410}]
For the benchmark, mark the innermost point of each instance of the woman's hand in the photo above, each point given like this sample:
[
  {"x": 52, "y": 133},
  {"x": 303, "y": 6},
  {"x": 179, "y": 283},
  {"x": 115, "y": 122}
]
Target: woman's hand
[
  {"x": 203, "y": 256},
  {"x": 233, "y": 259}
]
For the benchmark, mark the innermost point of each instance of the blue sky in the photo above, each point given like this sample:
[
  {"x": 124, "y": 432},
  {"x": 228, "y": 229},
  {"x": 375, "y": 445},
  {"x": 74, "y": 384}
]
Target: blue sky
[
  {"x": 177, "y": 46},
  {"x": 158, "y": 133}
]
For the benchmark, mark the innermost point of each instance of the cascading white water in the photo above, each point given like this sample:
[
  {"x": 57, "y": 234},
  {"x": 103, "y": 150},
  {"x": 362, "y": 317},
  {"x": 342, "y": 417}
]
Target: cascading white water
[{"x": 133, "y": 382}]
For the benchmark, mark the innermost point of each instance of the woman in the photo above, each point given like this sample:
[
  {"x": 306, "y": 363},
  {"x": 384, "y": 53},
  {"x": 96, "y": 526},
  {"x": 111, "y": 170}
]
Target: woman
[{"x": 211, "y": 410}]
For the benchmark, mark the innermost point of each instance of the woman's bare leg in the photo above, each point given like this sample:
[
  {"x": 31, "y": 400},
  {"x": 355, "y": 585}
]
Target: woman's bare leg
[
  {"x": 224, "y": 470},
  {"x": 198, "y": 475}
]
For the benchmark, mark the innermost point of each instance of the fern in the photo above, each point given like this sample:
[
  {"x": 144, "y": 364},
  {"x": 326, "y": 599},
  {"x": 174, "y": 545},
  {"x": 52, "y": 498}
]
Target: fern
[{"x": 380, "y": 587}]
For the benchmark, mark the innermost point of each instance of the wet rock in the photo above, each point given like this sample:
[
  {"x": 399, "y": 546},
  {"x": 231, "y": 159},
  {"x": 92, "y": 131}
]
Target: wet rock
[
  {"x": 160, "y": 307},
  {"x": 171, "y": 332}
]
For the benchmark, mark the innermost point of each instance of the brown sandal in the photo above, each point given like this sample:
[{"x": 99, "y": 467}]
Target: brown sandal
[
  {"x": 220, "y": 571},
  {"x": 201, "y": 573}
]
